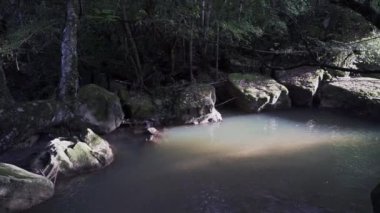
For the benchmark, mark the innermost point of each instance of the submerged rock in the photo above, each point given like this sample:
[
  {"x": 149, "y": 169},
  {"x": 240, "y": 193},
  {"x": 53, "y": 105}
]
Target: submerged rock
[
  {"x": 99, "y": 109},
  {"x": 360, "y": 95},
  {"x": 20, "y": 189},
  {"x": 69, "y": 157},
  {"x": 155, "y": 136},
  {"x": 255, "y": 93},
  {"x": 302, "y": 83},
  {"x": 195, "y": 104}
]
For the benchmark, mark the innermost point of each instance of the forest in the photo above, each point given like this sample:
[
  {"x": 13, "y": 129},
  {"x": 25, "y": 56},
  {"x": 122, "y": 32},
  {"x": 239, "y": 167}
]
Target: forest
[{"x": 174, "y": 97}]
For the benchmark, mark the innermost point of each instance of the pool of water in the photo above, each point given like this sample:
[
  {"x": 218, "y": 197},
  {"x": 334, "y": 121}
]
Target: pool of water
[{"x": 290, "y": 161}]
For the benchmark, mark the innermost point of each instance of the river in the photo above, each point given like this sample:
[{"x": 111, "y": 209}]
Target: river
[{"x": 290, "y": 161}]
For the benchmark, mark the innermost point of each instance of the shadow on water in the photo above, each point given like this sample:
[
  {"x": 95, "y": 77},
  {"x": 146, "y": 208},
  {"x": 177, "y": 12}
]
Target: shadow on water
[{"x": 293, "y": 161}]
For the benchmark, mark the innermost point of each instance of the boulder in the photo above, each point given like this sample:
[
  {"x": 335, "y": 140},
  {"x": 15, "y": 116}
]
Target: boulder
[
  {"x": 195, "y": 104},
  {"x": 255, "y": 92},
  {"x": 302, "y": 84},
  {"x": 70, "y": 157},
  {"x": 20, "y": 189},
  {"x": 344, "y": 59},
  {"x": 99, "y": 109},
  {"x": 137, "y": 105},
  {"x": 360, "y": 95}
]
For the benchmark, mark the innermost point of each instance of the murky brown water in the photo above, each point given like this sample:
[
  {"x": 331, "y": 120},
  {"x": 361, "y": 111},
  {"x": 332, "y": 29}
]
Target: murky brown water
[{"x": 291, "y": 161}]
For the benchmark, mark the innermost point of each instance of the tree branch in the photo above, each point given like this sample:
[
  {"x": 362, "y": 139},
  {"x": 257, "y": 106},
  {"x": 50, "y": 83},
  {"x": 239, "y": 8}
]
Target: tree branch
[{"x": 324, "y": 66}]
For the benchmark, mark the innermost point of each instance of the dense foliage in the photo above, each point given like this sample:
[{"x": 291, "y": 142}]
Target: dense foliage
[{"x": 151, "y": 43}]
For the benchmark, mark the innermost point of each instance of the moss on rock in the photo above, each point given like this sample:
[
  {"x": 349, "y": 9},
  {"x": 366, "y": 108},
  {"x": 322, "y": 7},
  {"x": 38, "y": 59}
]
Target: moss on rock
[
  {"x": 255, "y": 93},
  {"x": 75, "y": 157},
  {"x": 137, "y": 105},
  {"x": 195, "y": 104},
  {"x": 21, "y": 189},
  {"x": 99, "y": 109}
]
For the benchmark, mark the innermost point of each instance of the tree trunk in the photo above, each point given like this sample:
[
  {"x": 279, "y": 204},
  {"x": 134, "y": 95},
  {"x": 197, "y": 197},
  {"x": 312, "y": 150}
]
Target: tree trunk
[
  {"x": 240, "y": 9},
  {"x": 205, "y": 32},
  {"x": 173, "y": 56},
  {"x": 217, "y": 50},
  {"x": 136, "y": 55},
  {"x": 203, "y": 12},
  {"x": 191, "y": 55},
  {"x": 20, "y": 121},
  {"x": 68, "y": 85},
  {"x": 5, "y": 96}
]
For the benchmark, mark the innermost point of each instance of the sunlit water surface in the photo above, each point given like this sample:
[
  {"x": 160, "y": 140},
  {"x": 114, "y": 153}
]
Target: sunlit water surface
[{"x": 292, "y": 161}]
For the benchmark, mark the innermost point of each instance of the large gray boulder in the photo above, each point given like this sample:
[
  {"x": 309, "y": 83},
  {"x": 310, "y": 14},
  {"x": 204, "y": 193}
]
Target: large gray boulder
[
  {"x": 99, "y": 109},
  {"x": 302, "y": 83},
  {"x": 360, "y": 95},
  {"x": 70, "y": 157},
  {"x": 255, "y": 92},
  {"x": 20, "y": 189},
  {"x": 195, "y": 104}
]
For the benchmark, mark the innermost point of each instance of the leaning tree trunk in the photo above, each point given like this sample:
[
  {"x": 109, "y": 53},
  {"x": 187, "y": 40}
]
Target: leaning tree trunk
[{"x": 68, "y": 85}]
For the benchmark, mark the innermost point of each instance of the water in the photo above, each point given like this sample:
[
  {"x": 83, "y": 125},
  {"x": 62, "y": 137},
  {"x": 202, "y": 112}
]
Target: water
[{"x": 291, "y": 161}]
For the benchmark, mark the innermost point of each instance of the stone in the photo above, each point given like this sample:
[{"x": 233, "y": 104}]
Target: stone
[
  {"x": 137, "y": 105},
  {"x": 195, "y": 104},
  {"x": 20, "y": 189},
  {"x": 70, "y": 157},
  {"x": 99, "y": 109},
  {"x": 360, "y": 95},
  {"x": 302, "y": 83},
  {"x": 256, "y": 93}
]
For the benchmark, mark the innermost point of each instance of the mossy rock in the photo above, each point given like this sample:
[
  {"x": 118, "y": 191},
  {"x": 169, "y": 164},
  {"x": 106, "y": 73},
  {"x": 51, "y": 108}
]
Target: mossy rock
[
  {"x": 99, "y": 109},
  {"x": 21, "y": 189},
  {"x": 255, "y": 92},
  {"x": 137, "y": 105},
  {"x": 75, "y": 157},
  {"x": 196, "y": 96},
  {"x": 195, "y": 104},
  {"x": 80, "y": 156}
]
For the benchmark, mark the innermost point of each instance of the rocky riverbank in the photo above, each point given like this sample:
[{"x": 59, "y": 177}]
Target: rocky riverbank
[{"x": 83, "y": 150}]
